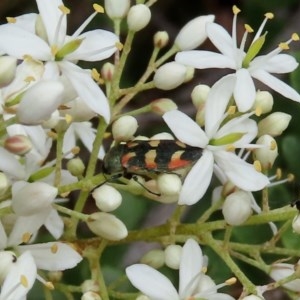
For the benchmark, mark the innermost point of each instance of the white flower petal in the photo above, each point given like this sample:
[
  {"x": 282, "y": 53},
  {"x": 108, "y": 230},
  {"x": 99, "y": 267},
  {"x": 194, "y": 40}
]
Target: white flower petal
[
  {"x": 185, "y": 129},
  {"x": 220, "y": 296},
  {"x": 3, "y": 237},
  {"x": 18, "y": 42},
  {"x": 12, "y": 288},
  {"x": 241, "y": 173},
  {"x": 50, "y": 14},
  {"x": 244, "y": 91},
  {"x": 10, "y": 165},
  {"x": 96, "y": 45},
  {"x": 87, "y": 89},
  {"x": 204, "y": 59},
  {"x": 151, "y": 282},
  {"x": 53, "y": 256},
  {"x": 276, "y": 84},
  {"x": 216, "y": 104},
  {"x": 54, "y": 224},
  {"x": 191, "y": 263},
  {"x": 197, "y": 180},
  {"x": 27, "y": 21}
]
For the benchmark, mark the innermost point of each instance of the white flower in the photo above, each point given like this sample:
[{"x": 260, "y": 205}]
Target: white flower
[
  {"x": 54, "y": 47},
  {"x": 247, "y": 65},
  {"x": 216, "y": 141},
  {"x": 158, "y": 287}
]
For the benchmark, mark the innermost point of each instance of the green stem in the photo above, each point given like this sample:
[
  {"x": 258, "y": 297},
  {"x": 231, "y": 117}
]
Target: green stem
[{"x": 59, "y": 158}]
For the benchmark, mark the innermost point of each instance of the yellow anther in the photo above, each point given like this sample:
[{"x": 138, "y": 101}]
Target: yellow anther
[
  {"x": 68, "y": 118},
  {"x": 29, "y": 79},
  {"x": 295, "y": 36},
  {"x": 284, "y": 46},
  {"x": 290, "y": 177},
  {"x": 273, "y": 145},
  {"x": 235, "y": 9},
  {"x": 75, "y": 150},
  {"x": 51, "y": 134},
  {"x": 119, "y": 46},
  {"x": 248, "y": 28},
  {"x": 49, "y": 285},
  {"x": 257, "y": 166},
  {"x": 269, "y": 15},
  {"x": 24, "y": 281},
  {"x": 95, "y": 74},
  {"x": 54, "y": 248},
  {"x": 204, "y": 270},
  {"x": 98, "y": 8},
  {"x": 230, "y": 281},
  {"x": 11, "y": 20},
  {"x": 258, "y": 111},
  {"x": 230, "y": 147},
  {"x": 26, "y": 237},
  {"x": 278, "y": 173},
  {"x": 231, "y": 110},
  {"x": 64, "y": 9}
]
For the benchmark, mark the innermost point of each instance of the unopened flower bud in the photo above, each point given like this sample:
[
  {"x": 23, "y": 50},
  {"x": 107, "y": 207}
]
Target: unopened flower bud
[
  {"x": 7, "y": 259},
  {"x": 169, "y": 76},
  {"x": 107, "y": 226},
  {"x": 169, "y": 184},
  {"x": 116, "y": 9},
  {"x": 8, "y": 67},
  {"x": 76, "y": 166},
  {"x": 162, "y": 136},
  {"x": 154, "y": 258},
  {"x": 52, "y": 121},
  {"x": 282, "y": 270},
  {"x": 90, "y": 295},
  {"x": 107, "y": 198},
  {"x": 189, "y": 74},
  {"x": 172, "y": 256},
  {"x": 138, "y": 17},
  {"x": 4, "y": 183},
  {"x": 18, "y": 144},
  {"x": 55, "y": 276},
  {"x": 107, "y": 71},
  {"x": 89, "y": 285},
  {"x": 252, "y": 297},
  {"x": 237, "y": 208},
  {"x": 161, "y": 39},
  {"x": 264, "y": 101},
  {"x": 31, "y": 198},
  {"x": 162, "y": 105},
  {"x": 124, "y": 128},
  {"x": 268, "y": 153},
  {"x": 296, "y": 224},
  {"x": 39, "y": 102},
  {"x": 274, "y": 124},
  {"x": 199, "y": 95},
  {"x": 193, "y": 34}
]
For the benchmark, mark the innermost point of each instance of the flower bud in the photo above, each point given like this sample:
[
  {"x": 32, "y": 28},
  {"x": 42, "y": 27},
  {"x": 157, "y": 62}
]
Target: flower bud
[
  {"x": 252, "y": 297},
  {"x": 138, "y": 17},
  {"x": 169, "y": 184},
  {"x": 107, "y": 226},
  {"x": 237, "y": 208},
  {"x": 162, "y": 105},
  {"x": 283, "y": 270},
  {"x": 124, "y": 128},
  {"x": 39, "y": 102},
  {"x": 18, "y": 144},
  {"x": 161, "y": 39},
  {"x": 89, "y": 285},
  {"x": 107, "y": 198},
  {"x": 154, "y": 258},
  {"x": 31, "y": 198},
  {"x": 172, "y": 256},
  {"x": 4, "y": 183},
  {"x": 169, "y": 76},
  {"x": 107, "y": 71},
  {"x": 90, "y": 296},
  {"x": 296, "y": 224},
  {"x": 199, "y": 95},
  {"x": 52, "y": 121},
  {"x": 76, "y": 166},
  {"x": 162, "y": 136},
  {"x": 193, "y": 34},
  {"x": 189, "y": 74},
  {"x": 274, "y": 124},
  {"x": 8, "y": 67},
  {"x": 264, "y": 101},
  {"x": 268, "y": 153},
  {"x": 7, "y": 259},
  {"x": 116, "y": 9}
]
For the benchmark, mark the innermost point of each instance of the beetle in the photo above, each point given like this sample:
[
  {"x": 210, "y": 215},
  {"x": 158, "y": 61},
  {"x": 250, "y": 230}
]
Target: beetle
[{"x": 150, "y": 157}]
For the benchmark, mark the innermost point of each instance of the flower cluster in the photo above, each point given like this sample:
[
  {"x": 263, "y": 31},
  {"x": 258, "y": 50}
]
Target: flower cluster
[{"x": 58, "y": 207}]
